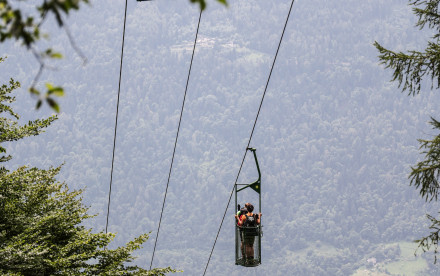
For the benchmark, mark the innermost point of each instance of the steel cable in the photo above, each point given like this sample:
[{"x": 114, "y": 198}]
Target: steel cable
[
  {"x": 116, "y": 120},
  {"x": 175, "y": 142},
  {"x": 250, "y": 137}
]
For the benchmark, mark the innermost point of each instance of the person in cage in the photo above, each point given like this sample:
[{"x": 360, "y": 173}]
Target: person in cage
[
  {"x": 249, "y": 222},
  {"x": 241, "y": 212}
]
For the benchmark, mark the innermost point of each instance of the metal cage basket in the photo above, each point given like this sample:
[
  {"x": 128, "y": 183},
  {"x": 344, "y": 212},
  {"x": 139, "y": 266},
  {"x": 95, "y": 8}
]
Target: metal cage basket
[{"x": 248, "y": 245}]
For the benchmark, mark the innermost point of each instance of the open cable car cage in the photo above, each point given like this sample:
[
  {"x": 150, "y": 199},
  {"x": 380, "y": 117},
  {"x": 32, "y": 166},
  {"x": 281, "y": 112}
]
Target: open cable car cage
[{"x": 248, "y": 239}]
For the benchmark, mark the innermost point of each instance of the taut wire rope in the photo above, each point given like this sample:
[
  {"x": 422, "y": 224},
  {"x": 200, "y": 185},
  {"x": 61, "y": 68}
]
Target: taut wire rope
[
  {"x": 252, "y": 133},
  {"x": 116, "y": 120},
  {"x": 175, "y": 142}
]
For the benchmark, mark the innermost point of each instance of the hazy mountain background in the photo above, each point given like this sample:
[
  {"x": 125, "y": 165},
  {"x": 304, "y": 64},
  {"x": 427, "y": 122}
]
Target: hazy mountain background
[{"x": 335, "y": 138}]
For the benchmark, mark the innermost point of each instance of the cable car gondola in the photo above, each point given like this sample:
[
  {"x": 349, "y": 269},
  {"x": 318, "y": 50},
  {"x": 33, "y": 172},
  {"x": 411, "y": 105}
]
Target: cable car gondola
[{"x": 248, "y": 238}]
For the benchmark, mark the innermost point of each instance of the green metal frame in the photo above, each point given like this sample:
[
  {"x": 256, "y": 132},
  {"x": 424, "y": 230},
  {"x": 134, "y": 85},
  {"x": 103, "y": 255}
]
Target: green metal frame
[{"x": 256, "y": 186}]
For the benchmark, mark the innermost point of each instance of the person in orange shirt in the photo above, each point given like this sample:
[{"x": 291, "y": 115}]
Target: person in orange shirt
[
  {"x": 249, "y": 222},
  {"x": 241, "y": 212}
]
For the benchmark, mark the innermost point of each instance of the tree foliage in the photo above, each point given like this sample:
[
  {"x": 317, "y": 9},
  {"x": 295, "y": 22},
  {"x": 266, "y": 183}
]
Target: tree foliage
[
  {"x": 40, "y": 231},
  {"x": 425, "y": 174},
  {"x": 410, "y": 70},
  {"x": 202, "y": 3},
  {"x": 25, "y": 27},
  {"x": 9, "y": 129}
]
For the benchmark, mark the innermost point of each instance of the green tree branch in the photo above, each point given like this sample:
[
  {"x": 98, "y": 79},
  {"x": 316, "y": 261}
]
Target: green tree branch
[{"x": 409, "y": 70}]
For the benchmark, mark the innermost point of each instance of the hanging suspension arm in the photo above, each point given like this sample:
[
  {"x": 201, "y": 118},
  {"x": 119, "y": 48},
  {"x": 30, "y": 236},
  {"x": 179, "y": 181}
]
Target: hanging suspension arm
[{"x": 256, "y": 184}]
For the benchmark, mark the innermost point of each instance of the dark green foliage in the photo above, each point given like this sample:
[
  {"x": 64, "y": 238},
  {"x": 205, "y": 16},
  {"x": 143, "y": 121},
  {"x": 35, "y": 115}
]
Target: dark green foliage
[
  {"x": 431, "y": 241},
  {"x": 40, "y": 231},
  {"x": 410, "y": 69},
  {"x": 428, "y": 14},
  {"x": 9, "y": 129},
  {"x": 425, "y": 174},
  {"x": 202, "y": 3},
  {"x": 27, "y": 28}
]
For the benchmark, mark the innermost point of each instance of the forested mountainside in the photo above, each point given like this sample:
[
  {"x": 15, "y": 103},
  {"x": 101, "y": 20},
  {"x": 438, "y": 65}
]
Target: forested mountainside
[{"x": 335, "y": 139}]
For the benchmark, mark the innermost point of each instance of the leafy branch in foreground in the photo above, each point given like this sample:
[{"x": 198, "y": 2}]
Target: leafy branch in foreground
[
  {"x": 9, "y": 129},
  {"x": 40, "y": 231},
  {"x": 410, "y": 70},
  {"x": 202, "y": 3},
  {"x": 40, "y": 219},
  {"x": 15, "y": 24},
  {"x": 431, "y": 241},
  {"x": 425, "y": 174}
]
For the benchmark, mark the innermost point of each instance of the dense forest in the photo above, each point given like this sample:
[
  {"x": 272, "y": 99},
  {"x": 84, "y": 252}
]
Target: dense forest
[{"x": 335, "y": 139}]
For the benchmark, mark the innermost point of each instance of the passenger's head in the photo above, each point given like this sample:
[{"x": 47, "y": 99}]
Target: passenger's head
[
  {"x": 250, "y": 208},
  {"x": 243, "y": 211}
]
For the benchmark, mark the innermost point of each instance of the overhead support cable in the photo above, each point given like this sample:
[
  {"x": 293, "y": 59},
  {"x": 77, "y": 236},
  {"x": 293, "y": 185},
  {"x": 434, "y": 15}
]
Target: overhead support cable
[
  {"x": 116, "y": 120},
  {"x": 252, "y": 133},
  {"x": 175, "y": 142}
]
